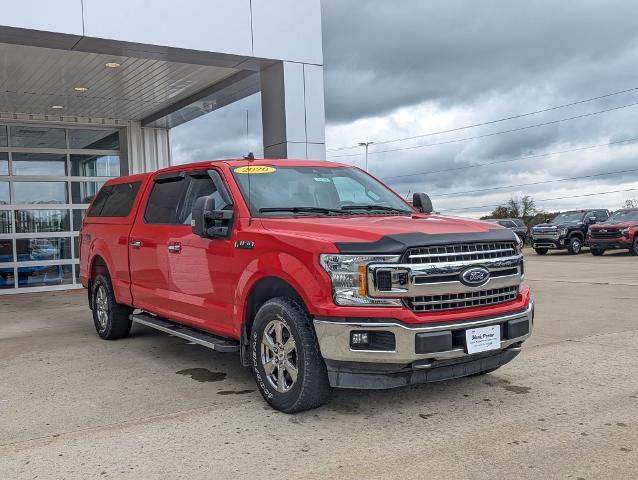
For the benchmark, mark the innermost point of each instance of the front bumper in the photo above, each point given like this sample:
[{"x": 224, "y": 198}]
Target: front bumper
[
  {"x": 551, "y": 243},
  {"x": 414, "y": 347},
  {"x": 609, "y": 244}
]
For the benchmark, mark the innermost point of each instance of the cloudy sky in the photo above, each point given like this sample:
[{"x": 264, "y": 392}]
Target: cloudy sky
[{"x": 427, "y": 67}]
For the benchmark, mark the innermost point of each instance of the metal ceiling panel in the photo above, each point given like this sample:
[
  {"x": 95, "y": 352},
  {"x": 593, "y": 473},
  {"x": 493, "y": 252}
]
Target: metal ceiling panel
[{"x": 34, "y": 79}]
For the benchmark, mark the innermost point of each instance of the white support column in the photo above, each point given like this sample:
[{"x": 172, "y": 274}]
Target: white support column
[
  {"x": 292, "y": 108},
  {"x": 148, "y": 149}
]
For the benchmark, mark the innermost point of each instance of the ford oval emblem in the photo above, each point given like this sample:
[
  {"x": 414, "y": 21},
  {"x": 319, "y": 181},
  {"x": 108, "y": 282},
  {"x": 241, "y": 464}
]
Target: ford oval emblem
[{"x": 475, "y": 276}]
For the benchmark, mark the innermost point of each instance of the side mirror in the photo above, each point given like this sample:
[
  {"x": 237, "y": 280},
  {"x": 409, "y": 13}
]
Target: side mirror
[
  {"x": 422, "y": 202},
  {"x": 208, "y": 222}
]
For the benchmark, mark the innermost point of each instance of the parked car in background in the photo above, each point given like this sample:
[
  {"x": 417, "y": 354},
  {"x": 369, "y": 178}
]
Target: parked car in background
[
  {"x": 620, "y": 231},
  {"x": 567, "y": 230},
  {"x": 316, "y": 273},
  {"x": 515, "y": 224}
]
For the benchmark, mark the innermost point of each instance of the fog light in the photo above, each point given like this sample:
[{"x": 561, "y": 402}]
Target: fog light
[{"x": 359, "y": 339}]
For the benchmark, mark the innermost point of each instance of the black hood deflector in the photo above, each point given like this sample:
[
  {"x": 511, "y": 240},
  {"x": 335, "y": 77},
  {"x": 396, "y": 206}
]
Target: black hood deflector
[{"x": 399, "y": 243}]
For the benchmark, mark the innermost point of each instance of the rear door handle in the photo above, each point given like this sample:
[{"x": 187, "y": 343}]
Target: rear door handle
[
  {"x": 135, "y": 244},
  {"x": 175, "y": 247}
]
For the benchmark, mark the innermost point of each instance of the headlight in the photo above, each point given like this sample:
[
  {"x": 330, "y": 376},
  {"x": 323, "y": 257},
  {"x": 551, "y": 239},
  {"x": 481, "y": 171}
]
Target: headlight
[
  {"x": 624, "y": 232},
  {"x": 349, "y": 278},
  {"x": 519, "y": 245},
  {"x": 562, "y": 231}
]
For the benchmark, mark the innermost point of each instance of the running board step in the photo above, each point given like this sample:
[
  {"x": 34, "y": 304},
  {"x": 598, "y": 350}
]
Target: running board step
[{"x": 205, "y": 339}]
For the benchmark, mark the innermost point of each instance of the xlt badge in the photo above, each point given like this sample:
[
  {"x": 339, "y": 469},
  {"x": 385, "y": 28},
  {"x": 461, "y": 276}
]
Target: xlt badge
[{"x": 244, "y": 244}]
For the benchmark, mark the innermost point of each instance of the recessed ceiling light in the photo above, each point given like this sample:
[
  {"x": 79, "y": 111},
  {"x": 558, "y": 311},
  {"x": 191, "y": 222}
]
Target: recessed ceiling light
[
  {"x": 80, "y": 89},
  {"x": 57, "y": 107},
  {"x": 111, "y": 65}
]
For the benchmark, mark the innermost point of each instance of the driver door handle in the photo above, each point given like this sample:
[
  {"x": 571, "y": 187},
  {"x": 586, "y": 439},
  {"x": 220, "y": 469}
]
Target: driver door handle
[{"x": 135, "y": 244}]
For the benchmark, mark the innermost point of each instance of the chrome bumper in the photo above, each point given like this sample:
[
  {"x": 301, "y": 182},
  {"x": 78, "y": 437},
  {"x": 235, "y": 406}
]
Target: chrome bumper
[{"x": 334, "y": 339}]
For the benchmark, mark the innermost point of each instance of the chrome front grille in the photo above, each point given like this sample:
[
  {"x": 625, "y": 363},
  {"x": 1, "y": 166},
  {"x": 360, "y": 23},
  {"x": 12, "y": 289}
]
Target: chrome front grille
[
  {"x": 460, "y": 252},
  {"x": 455, "y": 301},
  {"x": 433, "y": 278}
]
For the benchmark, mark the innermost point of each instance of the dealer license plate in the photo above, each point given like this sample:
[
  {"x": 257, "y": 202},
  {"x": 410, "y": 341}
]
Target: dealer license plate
[{"x": 483, "y": 339}]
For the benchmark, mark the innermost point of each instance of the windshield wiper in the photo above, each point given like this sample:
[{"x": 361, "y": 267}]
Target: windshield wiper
[
  {"x": 325, "y": 211},
  {"x": 375, "y": 207}
]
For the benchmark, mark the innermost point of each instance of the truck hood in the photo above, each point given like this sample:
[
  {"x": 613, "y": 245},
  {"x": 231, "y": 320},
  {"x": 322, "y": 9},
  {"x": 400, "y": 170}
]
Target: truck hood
[
  {"x": 388, "y": 233},
  {"x": 619, "y": 225}
]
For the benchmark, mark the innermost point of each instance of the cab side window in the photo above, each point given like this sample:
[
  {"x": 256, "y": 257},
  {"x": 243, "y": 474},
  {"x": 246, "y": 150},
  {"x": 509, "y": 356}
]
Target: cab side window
[
  {"x": 601, "y": 215},
  {"x": 163, "y": 201},
  {"x": 199, "y": 186}
]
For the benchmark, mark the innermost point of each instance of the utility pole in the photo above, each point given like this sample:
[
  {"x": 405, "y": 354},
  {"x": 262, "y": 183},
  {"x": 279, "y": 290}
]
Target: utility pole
[{"x": 366, "y": 144}]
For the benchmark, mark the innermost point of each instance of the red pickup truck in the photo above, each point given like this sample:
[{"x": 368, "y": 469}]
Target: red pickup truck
[
  {"x": 620, "y": 231},
  {"x": 315, "y": 272}
]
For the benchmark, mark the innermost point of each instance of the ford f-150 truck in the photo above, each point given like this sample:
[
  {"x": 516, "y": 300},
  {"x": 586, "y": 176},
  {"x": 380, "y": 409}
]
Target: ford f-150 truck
[
  {"x": 315, "y": 272},
  {"x": 619, "y": 231}
]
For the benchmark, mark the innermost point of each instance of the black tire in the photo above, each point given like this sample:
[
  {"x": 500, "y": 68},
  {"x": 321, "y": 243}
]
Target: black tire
[
  {"x": 634, "y": 247},
  {"x": 597, "y": 252},
  {"x": 575, "y": 246},
  {"x": 311, "y": 388},
  {"x": 541, "y": 251},
  {"x": 116, "y": 323}
]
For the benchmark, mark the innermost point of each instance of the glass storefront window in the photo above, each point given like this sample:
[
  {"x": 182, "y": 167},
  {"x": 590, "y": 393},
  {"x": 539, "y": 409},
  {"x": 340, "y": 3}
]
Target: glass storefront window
[
  {"x": 36, "y": 221},
  {"x": 3, "y": 136},
  {"x": 39, "y": 164},
  {"x": 4, "y": 193},
  {"x": 78, "y": 217},
  {"x": 83, "y": 192},
  {"x": 6, "y": 251},
  {"x": 95, "y": 165},
  {"x": 40, "y": 276},
  {"x": 5, "y": 221},
  {"x": 76, "y": 244},
  {"x": 7, "y": 278},
  {"x": 4, "y": 163},
  {"x": 38, "y": 249},
  {"x": 94, "y": 139},
  {"x": 39, "y": 192},
  {"x": 37, "y": 137}
]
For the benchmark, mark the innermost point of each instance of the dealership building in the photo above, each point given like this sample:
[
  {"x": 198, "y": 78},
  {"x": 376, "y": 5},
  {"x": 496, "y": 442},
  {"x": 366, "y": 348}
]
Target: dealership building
[{"x": 90, "y": 89}]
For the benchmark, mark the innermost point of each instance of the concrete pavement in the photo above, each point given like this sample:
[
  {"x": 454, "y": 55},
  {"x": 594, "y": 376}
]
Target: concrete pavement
[{"x": 153, "y": 406}]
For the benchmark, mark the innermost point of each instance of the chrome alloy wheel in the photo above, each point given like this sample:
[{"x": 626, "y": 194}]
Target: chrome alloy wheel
[
  {"x": 279, "y": 356},
  {"x": 102, "y": 306}
]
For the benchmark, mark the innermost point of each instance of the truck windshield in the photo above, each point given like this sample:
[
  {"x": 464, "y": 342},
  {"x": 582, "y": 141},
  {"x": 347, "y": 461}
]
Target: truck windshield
[
  {"x": 568, "y": 217},
  {"x": 285, "y": 191},
  {"x": 624, "y": 216}
]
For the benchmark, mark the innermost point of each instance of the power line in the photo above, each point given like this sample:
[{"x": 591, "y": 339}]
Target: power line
[
  {"x": 491, "y": 122},
  {"x": 477, "y": 137},
  {"x": 543, "y": 182},
  {"x": 545, "y": 199},
  {"x": 525, "y": 157}
]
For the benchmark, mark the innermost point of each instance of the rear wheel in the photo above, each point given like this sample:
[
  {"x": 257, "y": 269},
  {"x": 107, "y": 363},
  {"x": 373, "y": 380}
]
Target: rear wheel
[
  {"x": 540, "y": 251},
  {"x": 634, "y": 247},
  {"x": 575, "y": 245},
  {"x": 287, "y": 364},
  {"x": 110, "y": 318},
  {"x": 597, "y": 252}
]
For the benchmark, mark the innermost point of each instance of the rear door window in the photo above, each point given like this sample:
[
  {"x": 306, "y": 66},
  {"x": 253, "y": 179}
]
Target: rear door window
[
  {"x": 115, "y": 200},
  {"x": 163, "y": 201}
]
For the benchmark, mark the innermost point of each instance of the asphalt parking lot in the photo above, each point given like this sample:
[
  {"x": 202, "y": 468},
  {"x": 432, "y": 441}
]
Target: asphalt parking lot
[{"x": 153, "y": 406}]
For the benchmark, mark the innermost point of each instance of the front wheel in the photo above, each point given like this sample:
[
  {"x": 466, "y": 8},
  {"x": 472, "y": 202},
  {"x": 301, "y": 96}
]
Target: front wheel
[
  {"x": 575, "y": 246},
  {"x": 112, "y": 320},
  {"x": 634, "y": 247},
  {"x": 597, "y": 252},
  {"x": 540, "y": 251},
  {"x": 287, "y": 364}
]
